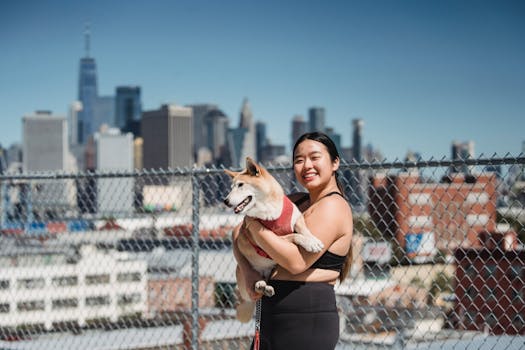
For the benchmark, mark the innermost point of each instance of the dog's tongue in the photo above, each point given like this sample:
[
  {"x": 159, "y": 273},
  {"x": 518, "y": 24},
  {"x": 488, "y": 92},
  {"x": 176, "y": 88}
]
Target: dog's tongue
[{"x": 243, "y": 204}]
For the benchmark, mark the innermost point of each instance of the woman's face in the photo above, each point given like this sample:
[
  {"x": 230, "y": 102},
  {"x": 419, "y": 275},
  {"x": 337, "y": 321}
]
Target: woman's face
[{"x": 313, "y": 166}]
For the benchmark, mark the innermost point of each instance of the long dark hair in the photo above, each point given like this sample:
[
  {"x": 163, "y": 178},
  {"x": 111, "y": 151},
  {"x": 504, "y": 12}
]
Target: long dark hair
[{"x": 334, "y": 155}]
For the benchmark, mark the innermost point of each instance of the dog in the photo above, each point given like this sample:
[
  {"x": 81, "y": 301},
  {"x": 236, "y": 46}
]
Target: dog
[{"x": 257, "y": 194}]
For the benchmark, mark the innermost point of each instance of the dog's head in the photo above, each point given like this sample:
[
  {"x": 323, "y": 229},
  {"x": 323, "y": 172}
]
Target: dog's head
[{"x": 248, "y": 186}]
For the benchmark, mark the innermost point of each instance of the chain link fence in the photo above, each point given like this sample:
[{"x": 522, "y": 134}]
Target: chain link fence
[{"x": 143, "y": 260}]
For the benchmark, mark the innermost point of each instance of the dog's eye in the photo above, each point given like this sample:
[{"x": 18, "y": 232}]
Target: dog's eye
[{"x": 240, "y": 184}]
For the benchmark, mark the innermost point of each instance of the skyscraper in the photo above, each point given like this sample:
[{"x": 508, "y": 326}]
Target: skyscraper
[
  {"x": 246, "y": 122},
  {"x": 45, "y": 148},
  {"x": 242, "y": 140},
  {"x": 114, "y": 151},
  {"x": 216, "y": 124},
  {"x": 260, "y": 139},
  {"x": 299, "y": 127},
  {"x": 74, "y": 110},
  {"x": 357, "y": 140},
  {"x": 462, "y": 151},
  {"x": 316, "y": 119},
  {"x": 200, "y": 131},
  {"x": 128, "y": 109},
  {"x": 167, "y": 134},
  {"x": 45, "y": 142},
  {"x": 87, "y": 93}
]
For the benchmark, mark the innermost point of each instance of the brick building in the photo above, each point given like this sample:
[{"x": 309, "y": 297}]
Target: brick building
[
  {"x": 425, "y": 216},
  {"x": 490, "y": 286}
]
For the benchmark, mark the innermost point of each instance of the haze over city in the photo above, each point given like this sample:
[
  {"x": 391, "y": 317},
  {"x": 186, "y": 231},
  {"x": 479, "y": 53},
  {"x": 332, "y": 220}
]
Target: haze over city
[{"x": 419, "y": 74}]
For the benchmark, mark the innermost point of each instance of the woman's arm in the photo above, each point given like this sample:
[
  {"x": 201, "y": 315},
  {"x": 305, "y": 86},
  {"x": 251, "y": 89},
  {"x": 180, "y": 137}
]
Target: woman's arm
[{"x": 323, "y": 220}]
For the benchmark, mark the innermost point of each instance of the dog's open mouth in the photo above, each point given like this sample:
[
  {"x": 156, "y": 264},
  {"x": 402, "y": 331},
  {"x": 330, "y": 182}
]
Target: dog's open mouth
[{"x": 242, "y": 205}]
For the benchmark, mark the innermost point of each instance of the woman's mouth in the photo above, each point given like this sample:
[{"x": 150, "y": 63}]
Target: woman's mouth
[{"x": 309, "y": 176}]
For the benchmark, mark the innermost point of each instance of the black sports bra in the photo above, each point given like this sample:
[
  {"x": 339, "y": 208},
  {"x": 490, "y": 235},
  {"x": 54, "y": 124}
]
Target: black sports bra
[{"x": 329, "y": 260}]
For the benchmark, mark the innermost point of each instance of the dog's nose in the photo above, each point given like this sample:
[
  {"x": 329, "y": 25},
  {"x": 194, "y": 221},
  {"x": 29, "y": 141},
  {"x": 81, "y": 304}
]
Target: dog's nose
[{"x": 227, "y": 202}]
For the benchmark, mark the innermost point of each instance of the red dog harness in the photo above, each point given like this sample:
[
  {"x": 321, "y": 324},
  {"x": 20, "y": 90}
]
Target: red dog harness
[{"x": 280, "y": 226}]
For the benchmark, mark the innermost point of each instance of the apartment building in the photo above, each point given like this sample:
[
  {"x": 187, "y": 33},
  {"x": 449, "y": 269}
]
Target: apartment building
[
  {"x": 46, "y": 289},
  {"x": 425, "y": 217},
  {"x": 490, "y": 286}
]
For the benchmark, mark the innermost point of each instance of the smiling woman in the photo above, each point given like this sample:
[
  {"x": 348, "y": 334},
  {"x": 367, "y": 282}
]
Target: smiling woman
[{"x": 302, "y": 314}]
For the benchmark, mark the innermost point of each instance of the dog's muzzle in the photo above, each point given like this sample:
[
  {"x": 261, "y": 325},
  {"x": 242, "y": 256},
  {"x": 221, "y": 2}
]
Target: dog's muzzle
[{"x": 240, "y": 207}]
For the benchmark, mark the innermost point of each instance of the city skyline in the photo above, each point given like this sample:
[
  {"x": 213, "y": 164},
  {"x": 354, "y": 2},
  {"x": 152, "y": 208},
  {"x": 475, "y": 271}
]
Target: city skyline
[{"x": 420, "y": 76}]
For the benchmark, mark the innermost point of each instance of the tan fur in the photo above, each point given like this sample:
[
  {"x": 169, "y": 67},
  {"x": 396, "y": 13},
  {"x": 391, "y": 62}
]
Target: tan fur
[{"x": 266, "y": 203}]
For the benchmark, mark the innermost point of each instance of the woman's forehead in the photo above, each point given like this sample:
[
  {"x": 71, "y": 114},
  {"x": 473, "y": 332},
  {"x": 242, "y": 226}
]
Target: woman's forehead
[{"x": 309, "y": 146}]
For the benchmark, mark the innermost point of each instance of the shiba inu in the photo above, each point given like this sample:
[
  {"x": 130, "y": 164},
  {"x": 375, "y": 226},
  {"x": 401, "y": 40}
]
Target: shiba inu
[{"x": 256, "y": 193}]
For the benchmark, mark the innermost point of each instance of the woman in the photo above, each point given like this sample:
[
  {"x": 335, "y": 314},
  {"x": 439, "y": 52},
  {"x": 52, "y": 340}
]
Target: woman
[{"x": 302, "y": 314}]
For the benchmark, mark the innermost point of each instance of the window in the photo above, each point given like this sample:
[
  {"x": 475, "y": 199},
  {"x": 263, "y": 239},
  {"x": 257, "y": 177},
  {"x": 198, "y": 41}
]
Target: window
[
  {"x": 31, "y": 283},
  {"x": 471, "y": 273},
  {"x": 4, "y": 308},
  {"x": 489, "y": 271},
  {"x": 97, "y": 279},
  {"x": 491, "y": 320},
  {"x": 31, "y": 305},
  {"x": 63, "y": 281},
  {"x": 98, "y": 300},
  {"x": 127, "y": 299},
  {"x": 4, "y": 284},
  {"x": 513, "y": 272},
  {"x": 68, "y": 303},
  {"x": 128, "y": 277},
  {"x": 518, "y": 322},
  {"x": 489, "y": 294}
]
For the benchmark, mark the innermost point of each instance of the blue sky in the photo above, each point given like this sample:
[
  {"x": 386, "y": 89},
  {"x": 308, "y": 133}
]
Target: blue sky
[{"x": 419, "y": 73}]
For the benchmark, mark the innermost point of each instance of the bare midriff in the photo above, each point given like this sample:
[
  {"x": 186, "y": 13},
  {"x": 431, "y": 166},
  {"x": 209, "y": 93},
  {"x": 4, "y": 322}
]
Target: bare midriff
[{"x": 310, "y": 275}]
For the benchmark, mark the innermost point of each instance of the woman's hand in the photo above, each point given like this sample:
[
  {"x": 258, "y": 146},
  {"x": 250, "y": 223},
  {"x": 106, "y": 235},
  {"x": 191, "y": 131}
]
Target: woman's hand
[{"x": 252, "y": 227}]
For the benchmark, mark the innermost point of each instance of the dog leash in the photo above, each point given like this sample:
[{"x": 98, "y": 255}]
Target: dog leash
[{"x": 257, "y": 338}]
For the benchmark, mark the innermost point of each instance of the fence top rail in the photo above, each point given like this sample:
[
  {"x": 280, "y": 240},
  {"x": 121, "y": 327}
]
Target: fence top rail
[{"x": 201, "y": 171}]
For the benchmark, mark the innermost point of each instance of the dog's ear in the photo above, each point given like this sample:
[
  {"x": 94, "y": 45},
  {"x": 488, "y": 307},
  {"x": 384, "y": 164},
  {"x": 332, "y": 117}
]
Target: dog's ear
[
  {"x": 232, "y": 174},
  {"x": 252, "y": 168}
]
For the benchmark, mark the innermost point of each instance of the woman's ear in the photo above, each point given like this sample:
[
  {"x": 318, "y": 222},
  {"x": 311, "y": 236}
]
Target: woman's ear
[{"x": 335, "y": 164}]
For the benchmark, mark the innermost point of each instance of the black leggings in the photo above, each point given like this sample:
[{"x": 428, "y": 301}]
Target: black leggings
[{"x": 301, "y": 315}]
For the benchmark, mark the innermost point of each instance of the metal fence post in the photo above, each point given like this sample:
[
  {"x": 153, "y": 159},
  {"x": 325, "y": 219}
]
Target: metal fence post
[{"x": 195, "y": 262}]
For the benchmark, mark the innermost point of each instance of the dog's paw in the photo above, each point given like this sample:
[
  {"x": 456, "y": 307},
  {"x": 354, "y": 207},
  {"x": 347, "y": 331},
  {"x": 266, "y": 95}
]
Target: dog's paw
[
  {"x": 269, "y": 291},
  {"x": 263, "y": 288},
  {"x": 260, "y": 286},
  {"x": 313, "y": 245}
]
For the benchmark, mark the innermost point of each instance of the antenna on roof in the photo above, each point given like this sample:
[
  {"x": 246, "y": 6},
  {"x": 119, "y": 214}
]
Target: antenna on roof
[{"x": 87, "y": 39}]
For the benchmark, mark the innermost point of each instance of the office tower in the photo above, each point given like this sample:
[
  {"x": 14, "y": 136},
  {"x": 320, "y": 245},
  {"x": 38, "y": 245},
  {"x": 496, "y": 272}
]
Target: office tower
[
  {"x": 299, "y": 127},
  {"x": 335, "y": 137},
  {"x": 523, "y": 167},
  {"x": 87, "y": 93},
  {"x": 462, "y": 151},
  {"x": 3, "y": 160},
  {"x": 246, "y": 122},
  {"x": 200, "y": 132},
  {"x": 14, "y": 154},
  {"x": 128, "y": 109},
  {"x": 45, "y": 142},
  {"x": 260, "y": 139},
  {"x": 357, "y": 140},
  {"x": 74, "y": 110},
  {"x": 114, "y": 152},
  {"x": 104, "y": 113},
  {"x": 45, "y": 148},
  {"x": 316, "y": 119},
  {"x": 167, "y": 134},
  {"x": 216, "y": 125}
]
